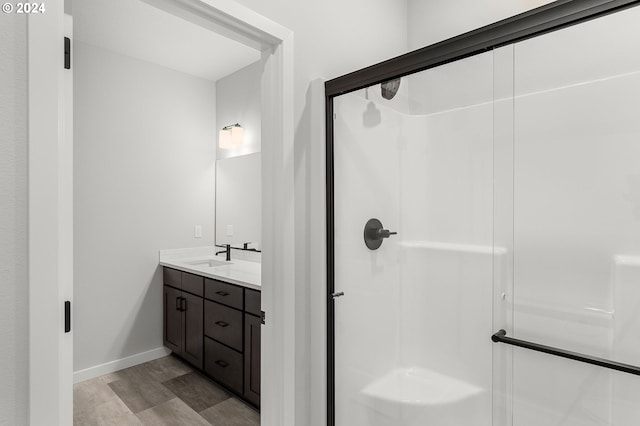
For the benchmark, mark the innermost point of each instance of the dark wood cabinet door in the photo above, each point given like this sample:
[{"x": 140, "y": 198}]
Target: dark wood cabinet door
[
  {"x": 172, "y": 319},
  {"x": 193, "y": 329},
  {"x": 252, "y": 359}
]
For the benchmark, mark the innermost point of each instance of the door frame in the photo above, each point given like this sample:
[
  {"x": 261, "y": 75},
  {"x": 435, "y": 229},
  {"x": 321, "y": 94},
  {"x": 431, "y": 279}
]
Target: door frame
[
  {"x": 542, "y": 20},
  {"x": 50, "y": 211}
]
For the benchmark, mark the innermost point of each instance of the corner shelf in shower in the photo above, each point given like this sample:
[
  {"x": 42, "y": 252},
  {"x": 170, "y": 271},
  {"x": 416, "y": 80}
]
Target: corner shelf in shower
[{"x": 407, "y": 391}]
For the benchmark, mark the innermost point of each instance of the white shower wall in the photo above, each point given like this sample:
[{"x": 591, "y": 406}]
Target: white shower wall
[{"x": 446, "y": 240}]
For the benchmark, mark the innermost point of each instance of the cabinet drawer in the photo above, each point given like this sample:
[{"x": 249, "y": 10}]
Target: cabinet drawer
[
  {"x": 192, "y": 283},
  {"x": 252, "y": 301},
  {"x": 223, "y": 364},
  {"x": 172, "y": 277},
  {"x": 227, "y": 294},
  {"x": 223, "y": 324}
]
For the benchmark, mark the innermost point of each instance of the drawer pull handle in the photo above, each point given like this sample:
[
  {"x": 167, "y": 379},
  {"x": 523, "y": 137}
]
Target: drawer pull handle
[
  {"x": 222, "y": 293},
  {"x": 183, "y": 307},
  {"x": 178, "y": 303},
  {"x": 222, "y": 323},
  {"x": 222, "y": 363}
]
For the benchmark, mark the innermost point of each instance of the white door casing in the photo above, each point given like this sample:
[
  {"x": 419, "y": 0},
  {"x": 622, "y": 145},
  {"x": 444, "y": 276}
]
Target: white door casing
[{"x": 50, "y": 225}]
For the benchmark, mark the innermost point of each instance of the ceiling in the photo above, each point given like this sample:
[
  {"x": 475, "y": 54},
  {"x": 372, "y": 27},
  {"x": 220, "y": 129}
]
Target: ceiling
[{"x": 139, "y": 30}]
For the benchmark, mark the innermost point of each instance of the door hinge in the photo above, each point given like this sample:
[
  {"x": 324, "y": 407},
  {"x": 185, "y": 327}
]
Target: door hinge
[
  {"x": 262, "y": 317},
  {"x": 67, "y": 316},
  {"x": 67, "y": 53}
]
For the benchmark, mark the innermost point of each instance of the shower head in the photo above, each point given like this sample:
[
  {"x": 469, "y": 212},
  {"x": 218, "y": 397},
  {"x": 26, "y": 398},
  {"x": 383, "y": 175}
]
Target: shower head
[{"x": 390, "y": 88}]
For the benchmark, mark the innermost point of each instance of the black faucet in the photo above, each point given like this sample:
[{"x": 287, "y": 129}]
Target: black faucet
[{"x": 226, "y": 250}]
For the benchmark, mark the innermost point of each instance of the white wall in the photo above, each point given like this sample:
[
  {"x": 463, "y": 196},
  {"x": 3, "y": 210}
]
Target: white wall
[
  {"x": 331, "y": 38},
  {"x": 14, "y": 318},
  {"x": 144, "y": 161},
  {"x": 334, "y": 37},
  {"x": 432, "y": 21},
  {"x": 238, "y": 101}
]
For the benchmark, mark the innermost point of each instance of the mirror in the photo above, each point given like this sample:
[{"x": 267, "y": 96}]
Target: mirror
[{"x": 239, "y": 200}]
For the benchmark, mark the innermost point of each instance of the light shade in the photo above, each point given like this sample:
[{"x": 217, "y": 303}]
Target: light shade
[
  {"x": 231, "y": 136},
  {"x": 224, "y": 139}
]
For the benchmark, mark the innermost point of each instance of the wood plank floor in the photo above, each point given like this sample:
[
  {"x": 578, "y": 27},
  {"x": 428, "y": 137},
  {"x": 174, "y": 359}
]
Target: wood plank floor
[{"x": 165, "y": 391}]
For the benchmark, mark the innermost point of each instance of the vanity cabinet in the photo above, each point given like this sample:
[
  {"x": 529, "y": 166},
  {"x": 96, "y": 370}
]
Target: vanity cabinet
[
  {"x": 226, "y": 344},
  {"x": 183, "y": 308}
]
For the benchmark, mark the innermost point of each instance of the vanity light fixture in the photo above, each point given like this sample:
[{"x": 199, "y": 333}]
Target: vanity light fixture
[{"x": 231, "y": 136}]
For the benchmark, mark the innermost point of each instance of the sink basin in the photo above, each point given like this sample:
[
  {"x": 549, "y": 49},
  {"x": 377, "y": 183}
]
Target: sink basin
[{"x": 211, "y": 263}]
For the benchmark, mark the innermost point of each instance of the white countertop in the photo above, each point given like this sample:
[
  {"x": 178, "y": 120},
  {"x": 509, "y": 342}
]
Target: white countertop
[{"x": 246, "y": 273}]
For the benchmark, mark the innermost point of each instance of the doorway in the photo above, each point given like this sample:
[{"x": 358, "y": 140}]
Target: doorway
[{"x": 50, "y": 210}]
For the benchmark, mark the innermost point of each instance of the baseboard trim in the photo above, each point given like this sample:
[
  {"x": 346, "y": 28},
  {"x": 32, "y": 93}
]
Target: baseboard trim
[{"x": 119, "y": 364}]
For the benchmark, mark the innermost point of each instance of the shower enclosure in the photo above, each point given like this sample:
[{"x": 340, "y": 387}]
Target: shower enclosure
[{"x": 489, "y": 185}]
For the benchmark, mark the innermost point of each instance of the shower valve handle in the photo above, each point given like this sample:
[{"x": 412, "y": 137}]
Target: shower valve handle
[{"x": 374, "y": 233}]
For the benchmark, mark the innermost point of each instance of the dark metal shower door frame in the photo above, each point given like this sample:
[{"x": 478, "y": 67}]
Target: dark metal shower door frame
[{"x": 554, "y": 16}]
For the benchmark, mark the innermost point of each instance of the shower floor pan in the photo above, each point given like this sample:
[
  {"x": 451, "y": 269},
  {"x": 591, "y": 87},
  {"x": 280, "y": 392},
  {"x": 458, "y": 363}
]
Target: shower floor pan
[{"x": 418, "y": 392}]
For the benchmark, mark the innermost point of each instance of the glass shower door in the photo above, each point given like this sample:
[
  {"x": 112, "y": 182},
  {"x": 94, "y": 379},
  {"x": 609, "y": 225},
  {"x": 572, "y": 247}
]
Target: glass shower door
[
  {"x": 576, "y": 232},
  {"x": 414, "y": 250},
  {"x": 495, "y": 194}
]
